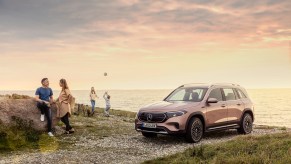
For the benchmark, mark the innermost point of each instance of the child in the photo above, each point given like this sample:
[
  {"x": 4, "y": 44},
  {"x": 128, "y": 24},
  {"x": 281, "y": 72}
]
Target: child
[
  {"x": 107, "y": 101},
  {"x": 93, "y": 97}
]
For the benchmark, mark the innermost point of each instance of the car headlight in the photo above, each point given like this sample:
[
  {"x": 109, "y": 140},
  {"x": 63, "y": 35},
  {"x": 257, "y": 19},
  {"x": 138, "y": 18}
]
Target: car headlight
[
  {"x": 136, "y": 116},
  {"x": 176, "y": 114}
]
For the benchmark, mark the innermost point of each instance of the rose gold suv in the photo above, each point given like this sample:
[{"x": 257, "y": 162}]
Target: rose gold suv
[{"x": 194, "y": 109}]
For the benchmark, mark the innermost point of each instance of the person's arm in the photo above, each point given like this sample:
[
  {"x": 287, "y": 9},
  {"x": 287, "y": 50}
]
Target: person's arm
[
  {"x": 37, "y": 93},
  {"x": 38, "y": 99},
  {"x": 68, "y": 92},
  {"x": 51, "y": 97}
]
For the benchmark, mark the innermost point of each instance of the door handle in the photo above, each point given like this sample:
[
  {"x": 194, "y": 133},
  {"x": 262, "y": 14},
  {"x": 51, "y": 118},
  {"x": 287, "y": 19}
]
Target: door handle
[
  {"x": 223, "y": 105},
  {"x": 238, "y": 104}
]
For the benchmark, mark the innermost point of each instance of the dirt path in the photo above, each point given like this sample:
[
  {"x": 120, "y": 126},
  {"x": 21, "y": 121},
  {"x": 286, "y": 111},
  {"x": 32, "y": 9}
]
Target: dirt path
[{"x": 114, "y": 140}]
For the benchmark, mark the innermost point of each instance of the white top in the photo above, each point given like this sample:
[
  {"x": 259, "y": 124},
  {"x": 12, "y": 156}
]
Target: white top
[
  {"x": 93, "y": 96},
  {"x": 107, "y": 101}
]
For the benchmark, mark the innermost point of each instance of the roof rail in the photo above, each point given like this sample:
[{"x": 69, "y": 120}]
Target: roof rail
[
  {"x": 193, "y": 84},
  {"x": 210, "y": 84},
  {"x": 225, "y": 84}
]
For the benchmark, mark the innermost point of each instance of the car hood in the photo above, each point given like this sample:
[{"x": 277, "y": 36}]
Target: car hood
[{"x": 164, "y": 106}]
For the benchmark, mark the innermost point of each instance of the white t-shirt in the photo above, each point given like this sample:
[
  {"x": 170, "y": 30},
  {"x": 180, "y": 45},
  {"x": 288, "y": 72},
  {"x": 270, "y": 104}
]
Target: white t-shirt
[{"x": 107, "y": 101}]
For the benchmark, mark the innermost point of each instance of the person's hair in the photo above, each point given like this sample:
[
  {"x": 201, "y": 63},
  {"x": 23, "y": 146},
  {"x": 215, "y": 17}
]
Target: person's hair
[
  {"x": 65, "y": 84},
  {"x": 93, "y": 90},
  {"x": 44, "y": 79},
  {"x": 108, "y": 97}
]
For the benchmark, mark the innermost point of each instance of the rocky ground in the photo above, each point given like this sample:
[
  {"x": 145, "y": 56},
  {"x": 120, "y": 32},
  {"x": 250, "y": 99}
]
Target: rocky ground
[{"x": 100, "y": 139}]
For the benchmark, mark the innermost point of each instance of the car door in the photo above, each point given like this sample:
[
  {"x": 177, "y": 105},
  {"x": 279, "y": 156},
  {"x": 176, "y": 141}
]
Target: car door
[
  {"x": 216, "y": 113},
  {"x": 234, "y": 105}
]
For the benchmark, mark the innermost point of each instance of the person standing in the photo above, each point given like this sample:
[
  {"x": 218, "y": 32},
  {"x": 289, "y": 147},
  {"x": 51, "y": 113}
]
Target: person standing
[
  {"x": 64, "y": 104},
  {"x": 44, "y": 97},
  {"x": 106, "y": 97},
  {"x": 93, "y": 97}
]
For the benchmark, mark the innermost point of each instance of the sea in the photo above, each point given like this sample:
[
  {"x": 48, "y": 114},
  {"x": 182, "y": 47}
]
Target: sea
[{"x": 272, "y": 106}]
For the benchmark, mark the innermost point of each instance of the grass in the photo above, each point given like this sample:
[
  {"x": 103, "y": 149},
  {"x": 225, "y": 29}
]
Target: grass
[
  {"x": 21, "y": 137},
  {"x": 270, "y": 127},
  {"x": 274, "y": 148},
  {"x": 114, "y": 112},
  {"x": 16, "y": 96}
]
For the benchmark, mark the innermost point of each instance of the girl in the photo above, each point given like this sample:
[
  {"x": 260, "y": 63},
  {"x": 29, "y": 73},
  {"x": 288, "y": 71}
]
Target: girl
[{"x": 93, "y": 98}]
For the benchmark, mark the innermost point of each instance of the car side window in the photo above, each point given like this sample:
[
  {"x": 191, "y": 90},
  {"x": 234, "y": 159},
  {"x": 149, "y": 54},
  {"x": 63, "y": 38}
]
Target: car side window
[
  {"x": 241, "y": 94},
  {"x": 229, "y": 94},
  {"x": 216, "y": 93}
]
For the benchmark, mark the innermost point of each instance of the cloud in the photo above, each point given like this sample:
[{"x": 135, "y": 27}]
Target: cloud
[{"x": 138, "y": 24}]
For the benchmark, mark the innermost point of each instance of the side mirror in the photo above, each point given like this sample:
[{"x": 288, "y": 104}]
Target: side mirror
[{"x": 212, "y": 100}]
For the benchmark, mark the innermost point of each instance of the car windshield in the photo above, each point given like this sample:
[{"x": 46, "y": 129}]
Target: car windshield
[{"x": 187, "y": 94}]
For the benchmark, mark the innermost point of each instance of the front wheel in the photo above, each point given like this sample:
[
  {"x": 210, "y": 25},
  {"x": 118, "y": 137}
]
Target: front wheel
[
  {"x": 195, "y": 130},
  {"x": 149, "y": 135},
  {"x": 246, "y": 126}
]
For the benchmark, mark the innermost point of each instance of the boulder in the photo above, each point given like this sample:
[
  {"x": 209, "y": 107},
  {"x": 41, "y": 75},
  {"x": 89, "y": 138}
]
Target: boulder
[{"x": 24, "y": 109}]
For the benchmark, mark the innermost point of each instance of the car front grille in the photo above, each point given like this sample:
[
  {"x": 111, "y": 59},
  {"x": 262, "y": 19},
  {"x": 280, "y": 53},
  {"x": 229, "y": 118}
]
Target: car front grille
[{"x": 152, "y": 117}]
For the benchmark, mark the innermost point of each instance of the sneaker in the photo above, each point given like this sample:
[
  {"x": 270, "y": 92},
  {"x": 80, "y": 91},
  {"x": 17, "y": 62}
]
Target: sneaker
[
  {"x": 67, "y": 132},
  {"x": 42, "y": 117},
  {"x": 72, "y": 130},
  {"x": 50, "y": 134}
]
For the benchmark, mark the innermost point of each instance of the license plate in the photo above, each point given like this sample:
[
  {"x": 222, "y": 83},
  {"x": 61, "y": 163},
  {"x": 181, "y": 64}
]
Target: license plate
[{"x": 149, "y": 125}]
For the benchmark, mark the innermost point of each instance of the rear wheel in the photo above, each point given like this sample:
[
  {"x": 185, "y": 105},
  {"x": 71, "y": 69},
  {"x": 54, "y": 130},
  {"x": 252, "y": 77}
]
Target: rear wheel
[
  {"x": 149, "y": 135},
  {"x": 195, "y": 130},
  {"x": 246, "y": 126}
]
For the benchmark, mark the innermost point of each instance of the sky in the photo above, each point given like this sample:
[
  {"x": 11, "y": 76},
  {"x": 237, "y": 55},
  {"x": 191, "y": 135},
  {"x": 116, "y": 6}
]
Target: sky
[{"x": 144, "y": 44}]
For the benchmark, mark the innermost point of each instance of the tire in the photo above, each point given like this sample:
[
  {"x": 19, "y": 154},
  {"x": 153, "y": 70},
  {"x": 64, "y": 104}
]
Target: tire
[
  {"x": 195, "y": 130},
  {"x": 246, "y": 126},
  {"x": 149, "y": 135}
]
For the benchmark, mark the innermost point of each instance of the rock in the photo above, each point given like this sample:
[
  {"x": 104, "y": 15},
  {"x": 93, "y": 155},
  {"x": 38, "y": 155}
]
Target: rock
[{"x": 24, "y": 109}]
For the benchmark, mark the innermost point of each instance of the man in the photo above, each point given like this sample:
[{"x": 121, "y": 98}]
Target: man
[{"x": 44, "y": 97}]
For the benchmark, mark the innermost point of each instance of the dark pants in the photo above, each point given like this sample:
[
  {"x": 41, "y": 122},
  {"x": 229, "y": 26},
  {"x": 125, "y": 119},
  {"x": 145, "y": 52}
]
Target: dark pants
[
  {"x": 65, "y": 120},
  {"x": 44, "y": 109}
]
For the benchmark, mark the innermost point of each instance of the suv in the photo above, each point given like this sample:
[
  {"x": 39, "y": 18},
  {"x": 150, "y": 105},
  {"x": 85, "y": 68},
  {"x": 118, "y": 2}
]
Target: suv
[{"x": 194, "y": 109}]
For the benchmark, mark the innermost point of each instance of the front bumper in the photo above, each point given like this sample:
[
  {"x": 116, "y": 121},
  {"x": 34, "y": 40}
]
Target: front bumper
[{"x": 173, "y": 125}]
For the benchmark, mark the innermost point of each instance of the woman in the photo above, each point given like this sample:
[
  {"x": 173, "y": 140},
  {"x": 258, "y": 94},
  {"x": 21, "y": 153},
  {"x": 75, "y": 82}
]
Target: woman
[
  {"x": 64, "y": 106},
  {"x": 93, "y": 98}
]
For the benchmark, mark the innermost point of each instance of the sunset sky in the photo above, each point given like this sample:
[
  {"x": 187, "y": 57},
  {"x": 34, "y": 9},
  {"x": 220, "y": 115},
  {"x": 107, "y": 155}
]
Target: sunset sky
[{"x": 144, "y": 44}]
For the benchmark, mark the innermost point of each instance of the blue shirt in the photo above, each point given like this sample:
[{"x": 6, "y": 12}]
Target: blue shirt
[{"x": 44, "y": 93}]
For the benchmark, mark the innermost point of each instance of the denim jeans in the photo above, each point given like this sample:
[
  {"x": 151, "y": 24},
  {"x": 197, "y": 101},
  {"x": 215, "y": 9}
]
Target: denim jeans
[{"x": 93, "y": 105}]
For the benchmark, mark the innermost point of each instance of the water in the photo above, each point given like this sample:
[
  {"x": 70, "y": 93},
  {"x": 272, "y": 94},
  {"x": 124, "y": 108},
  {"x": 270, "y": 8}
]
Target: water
[{"x": 272, "y": 106}]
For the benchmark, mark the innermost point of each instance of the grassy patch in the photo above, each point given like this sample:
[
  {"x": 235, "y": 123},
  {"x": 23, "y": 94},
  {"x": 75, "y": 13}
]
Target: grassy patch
[
  {"x": 16, "y": 96},
  {"x": 117, "y": 112},
  {"x": 270, "y": 127},
  {"x": 18, "y": 136},
  {"x": 275, "y": 148}
]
